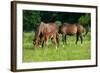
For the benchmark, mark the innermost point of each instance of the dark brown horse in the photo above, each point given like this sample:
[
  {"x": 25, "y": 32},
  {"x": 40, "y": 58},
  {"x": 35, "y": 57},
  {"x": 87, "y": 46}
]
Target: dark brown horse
[
  {"x": 71, "y": 29},
  {"x": 45, "y": 32}
]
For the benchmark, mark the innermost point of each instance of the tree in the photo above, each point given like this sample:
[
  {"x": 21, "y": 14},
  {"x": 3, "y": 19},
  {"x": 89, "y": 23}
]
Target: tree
[
  {"x": 86, "y": 22},
  {"x": 31, "y": 20}
]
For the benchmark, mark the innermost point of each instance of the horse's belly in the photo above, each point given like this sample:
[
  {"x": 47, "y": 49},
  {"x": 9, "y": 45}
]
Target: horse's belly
[
  {"x": 71, "y": 31},
  {"x": 71, "y": 34}
]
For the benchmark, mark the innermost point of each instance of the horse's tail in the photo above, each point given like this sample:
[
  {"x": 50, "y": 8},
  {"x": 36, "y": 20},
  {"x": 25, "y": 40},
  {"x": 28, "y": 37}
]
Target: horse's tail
[{"x": 86, "y": 30}]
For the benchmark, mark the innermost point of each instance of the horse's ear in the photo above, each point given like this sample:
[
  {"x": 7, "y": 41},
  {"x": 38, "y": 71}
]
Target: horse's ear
[{"x": 42, "y": 22}]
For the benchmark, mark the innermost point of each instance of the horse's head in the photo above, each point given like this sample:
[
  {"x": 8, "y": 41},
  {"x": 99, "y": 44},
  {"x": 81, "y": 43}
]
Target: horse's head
[{"x": 37, "y": 42}]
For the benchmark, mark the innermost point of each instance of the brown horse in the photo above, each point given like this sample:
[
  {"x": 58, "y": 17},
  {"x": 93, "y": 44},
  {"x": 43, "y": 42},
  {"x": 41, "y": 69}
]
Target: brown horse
[
  {"x": 71, "y": 29},
  {"x": 45, "y": 32}
]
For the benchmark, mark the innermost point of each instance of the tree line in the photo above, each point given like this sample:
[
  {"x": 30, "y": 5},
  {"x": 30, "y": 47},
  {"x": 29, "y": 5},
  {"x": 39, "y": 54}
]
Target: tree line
[{"x": 31, "y": 18}]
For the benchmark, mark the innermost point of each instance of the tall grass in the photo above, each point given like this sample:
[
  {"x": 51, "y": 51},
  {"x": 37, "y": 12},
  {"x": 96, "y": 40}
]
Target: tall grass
[{"x": 70, "y": 51}]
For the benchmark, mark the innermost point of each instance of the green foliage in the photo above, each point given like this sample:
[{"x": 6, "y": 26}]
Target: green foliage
[
  {"x": 85, "y": 20},
  {"x": 58, "y": 23},
  {"x": 31, "y": 20}
]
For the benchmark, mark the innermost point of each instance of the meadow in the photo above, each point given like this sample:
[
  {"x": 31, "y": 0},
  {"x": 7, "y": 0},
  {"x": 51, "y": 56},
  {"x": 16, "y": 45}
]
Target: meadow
[{"x": 70, "y": 51}]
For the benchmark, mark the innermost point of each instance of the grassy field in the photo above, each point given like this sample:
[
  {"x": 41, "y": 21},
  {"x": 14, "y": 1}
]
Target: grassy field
[{"x": 70, "y": 51}]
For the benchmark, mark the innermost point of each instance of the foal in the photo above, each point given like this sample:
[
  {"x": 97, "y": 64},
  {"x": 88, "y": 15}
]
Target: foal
[{"x": 47, "y": 31}]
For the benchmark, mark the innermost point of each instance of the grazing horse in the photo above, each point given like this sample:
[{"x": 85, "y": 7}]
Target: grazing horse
[
  {"x": 45, "y": 32},
  {"x": 71, "y": 29}
]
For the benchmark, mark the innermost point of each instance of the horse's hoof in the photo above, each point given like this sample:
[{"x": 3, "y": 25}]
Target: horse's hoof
[
  {"x": 56, "y": 48},
  {"x": 63, "y": 46},
  {"x": 40, "y": 46},
  {"x": 81, "y": 45}
]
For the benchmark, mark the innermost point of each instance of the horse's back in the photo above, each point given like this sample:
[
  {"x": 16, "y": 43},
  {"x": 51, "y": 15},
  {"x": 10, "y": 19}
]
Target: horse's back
[
  {"x": 52, "y": 27},
  {"x": 69, "y": 29}
]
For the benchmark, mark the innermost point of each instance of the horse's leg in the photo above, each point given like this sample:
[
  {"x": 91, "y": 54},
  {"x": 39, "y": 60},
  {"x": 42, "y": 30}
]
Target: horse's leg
[
  {"x": 54, "y": 40},
  {"x": 81, "y": 37},
  {"x": 46, "y": 40},
  {"x": 42, "y": 42},
  {"x": 77, "y": 38},
  {"x": 57, "y": 39},
  {"x": 64, "y": 38}
]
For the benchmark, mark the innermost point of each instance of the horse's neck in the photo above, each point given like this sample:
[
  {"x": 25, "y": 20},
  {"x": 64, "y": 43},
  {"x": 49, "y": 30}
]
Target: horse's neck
[{"x": 46, "y": 25}]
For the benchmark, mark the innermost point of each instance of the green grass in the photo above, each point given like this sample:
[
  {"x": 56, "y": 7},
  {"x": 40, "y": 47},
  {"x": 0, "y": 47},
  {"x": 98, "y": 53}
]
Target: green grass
[{"x": 70, "y": 51}]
